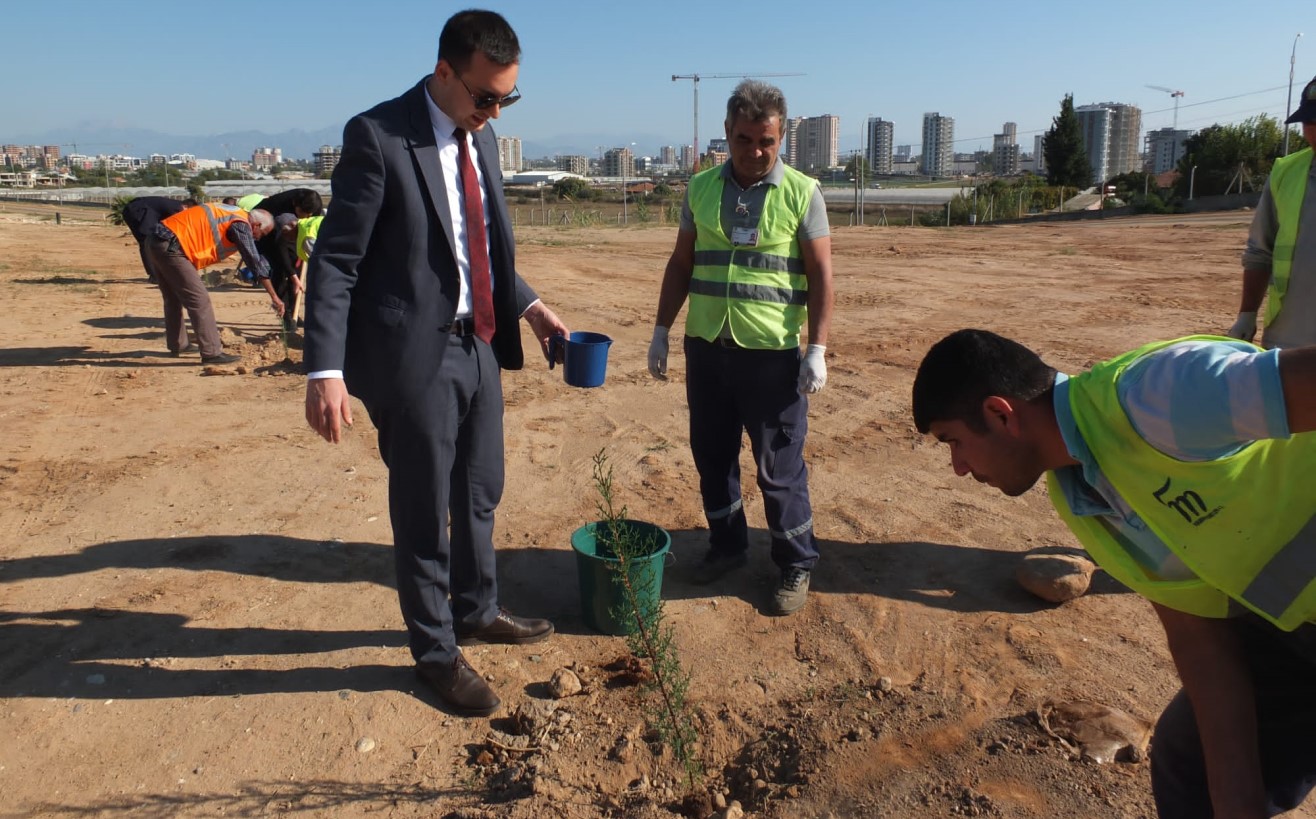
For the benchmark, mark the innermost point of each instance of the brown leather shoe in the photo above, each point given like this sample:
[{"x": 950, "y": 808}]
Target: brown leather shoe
[
  {"x": 461, "y": 688},
  {"x": 508, "y": 628}
]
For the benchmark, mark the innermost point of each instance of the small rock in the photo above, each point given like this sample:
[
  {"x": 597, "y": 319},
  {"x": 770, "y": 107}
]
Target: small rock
[
  {"x": 365, "y": 745},
  {"x": 1055, "y": 577},
  {"x": 884, "y": 684},
  {"x": 719, "y": 801},
  {"x": 734, "y": 811},
  {"x": 621, "y": 752},
  {"x": 759, "y": 786},
  {"x": 564, "y": 683}
]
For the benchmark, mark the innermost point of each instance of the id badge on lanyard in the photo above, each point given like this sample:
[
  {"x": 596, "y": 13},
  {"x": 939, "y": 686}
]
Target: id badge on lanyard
[{"x": 744, "y": 226}]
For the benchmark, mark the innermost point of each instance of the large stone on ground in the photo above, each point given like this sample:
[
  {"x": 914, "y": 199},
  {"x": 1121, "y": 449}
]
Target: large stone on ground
[{"x": 1055, "y": 576}]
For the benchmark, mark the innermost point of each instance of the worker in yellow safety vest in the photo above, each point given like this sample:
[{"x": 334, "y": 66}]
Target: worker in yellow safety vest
[{"x": 1184, "y": 468}]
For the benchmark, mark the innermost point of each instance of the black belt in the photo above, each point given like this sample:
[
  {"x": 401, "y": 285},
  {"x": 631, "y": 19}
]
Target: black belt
[{"x": 462, "y": 327}]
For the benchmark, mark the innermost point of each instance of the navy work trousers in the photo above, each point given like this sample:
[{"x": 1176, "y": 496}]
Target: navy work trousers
[
  {"x": 732, "y": 391},
  {"x": 1283, "y": 668}
]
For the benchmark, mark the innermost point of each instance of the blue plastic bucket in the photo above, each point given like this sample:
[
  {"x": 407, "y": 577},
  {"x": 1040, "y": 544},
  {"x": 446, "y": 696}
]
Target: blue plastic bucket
[{"x": 585, "y": 360}]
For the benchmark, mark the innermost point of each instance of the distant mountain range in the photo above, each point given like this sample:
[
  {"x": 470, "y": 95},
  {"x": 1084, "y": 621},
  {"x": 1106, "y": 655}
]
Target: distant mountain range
[{"x": 295, "y": 144}]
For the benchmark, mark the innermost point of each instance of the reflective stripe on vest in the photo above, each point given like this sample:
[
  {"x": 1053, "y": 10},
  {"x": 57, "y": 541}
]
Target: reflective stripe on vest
[
  {"x": 202, "y": 232},
  {"x": 1244, "y": 524},
  {"x": 1288, "y": 187},
  {"x": 761, "y": 292}
]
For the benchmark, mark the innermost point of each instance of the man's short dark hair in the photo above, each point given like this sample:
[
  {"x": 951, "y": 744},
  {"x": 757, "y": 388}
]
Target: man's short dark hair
[
  {"x": 477, "y": 31},
  {"x": 309, "y": 201},
  {"x": 756, "y": 102},
  {"x": 967, "y": 367},
  {"x": 228, "y": 200}
]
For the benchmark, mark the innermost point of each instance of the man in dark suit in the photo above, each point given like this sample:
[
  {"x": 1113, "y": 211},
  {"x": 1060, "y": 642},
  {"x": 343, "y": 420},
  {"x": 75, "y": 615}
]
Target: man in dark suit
[{"x": 415, "y": 310}]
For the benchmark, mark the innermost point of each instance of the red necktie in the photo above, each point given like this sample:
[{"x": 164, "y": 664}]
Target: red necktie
[{"x": 477, "y": 247}]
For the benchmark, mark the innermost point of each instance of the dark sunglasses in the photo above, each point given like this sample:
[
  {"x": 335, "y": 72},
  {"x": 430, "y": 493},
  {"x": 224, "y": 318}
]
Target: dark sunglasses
[{"x": 489, "y": 100}]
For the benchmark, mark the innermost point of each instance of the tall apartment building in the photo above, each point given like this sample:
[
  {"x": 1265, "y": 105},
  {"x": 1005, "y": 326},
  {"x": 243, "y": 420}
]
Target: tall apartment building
[
  {"x": 1165, "y": 147},
  {"x": 667, "y": 155},
  {"x": 719, "y": 150},
  {"x": 1094, "y": 122},
  {"x": 1039, "y": 158},
  {"x": 904, "y": 152},
  {"x": 1112, "y": 136},
  {"x": 509, "y": 154},
  {"x": 573, "y": 163},
  {"x": 881, "y": 136},
  {"x": 618, "y": 162},
  {"x": 326, "y": 159},
  {"x": 1125, "y": 138},
  {"x": 688, "y": 159},
  {"x": 1005, "y": 151},
  {"x": 938, "y": 144},
  {"x": 266, "y": 158},
  {"x": 812, "y": 142}
]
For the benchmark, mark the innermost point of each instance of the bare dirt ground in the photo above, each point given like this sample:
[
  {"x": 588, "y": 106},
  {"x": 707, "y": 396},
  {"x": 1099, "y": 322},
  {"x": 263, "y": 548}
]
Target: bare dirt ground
[{"x": 196, "y": 603}]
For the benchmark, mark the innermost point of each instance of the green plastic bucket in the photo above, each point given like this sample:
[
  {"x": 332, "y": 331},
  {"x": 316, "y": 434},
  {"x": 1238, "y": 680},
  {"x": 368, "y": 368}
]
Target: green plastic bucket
[{"x": 602, "y": 591}]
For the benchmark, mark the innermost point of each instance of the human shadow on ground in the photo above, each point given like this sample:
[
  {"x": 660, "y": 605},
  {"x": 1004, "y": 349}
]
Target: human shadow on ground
[
  {"x": 84, "y": 356},
  {"x": 67, "y": 280},
  {"x": 101, "y": 652},
  {"x": 124, "y": 322},
  {"x": 256, "y": 798}
]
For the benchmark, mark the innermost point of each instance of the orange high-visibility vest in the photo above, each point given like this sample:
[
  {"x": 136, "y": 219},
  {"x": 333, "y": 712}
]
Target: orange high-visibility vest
[{"x": 202, "y": 232}]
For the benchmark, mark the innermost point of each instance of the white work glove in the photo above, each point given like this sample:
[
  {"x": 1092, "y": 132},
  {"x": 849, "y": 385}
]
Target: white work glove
[
  {"x": 813, "y": 369},
  {"x": 658, "y": 353},
  {"x": 1245, "y": 327}
]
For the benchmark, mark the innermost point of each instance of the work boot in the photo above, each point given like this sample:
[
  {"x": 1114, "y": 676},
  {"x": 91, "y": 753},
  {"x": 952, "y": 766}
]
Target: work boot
[
  {"x": 792, "y": 592},
  {"x": 221, "y": 358}
]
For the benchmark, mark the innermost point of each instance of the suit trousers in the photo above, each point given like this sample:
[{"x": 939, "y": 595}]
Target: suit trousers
[
  {"x": 731, "y": 391},
  {"x": 1283, "y": 667},
  {"x": 444, "y": 455},
  {"x": 181, "y": 288}
]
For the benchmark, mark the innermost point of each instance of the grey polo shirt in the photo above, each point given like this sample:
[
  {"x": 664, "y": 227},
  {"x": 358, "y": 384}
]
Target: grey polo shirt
[{"x": 1295, "y": 326}]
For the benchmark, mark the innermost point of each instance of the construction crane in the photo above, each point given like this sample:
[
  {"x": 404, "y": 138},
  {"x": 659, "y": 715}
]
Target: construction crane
[
  {"x": 695, "y": 78},
  {"x": 1173, "y": 93}
]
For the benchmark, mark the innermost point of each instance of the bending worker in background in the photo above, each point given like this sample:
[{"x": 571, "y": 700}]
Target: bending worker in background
[
  {"x": 753, "y": 254},
  {"x": 1185, "y": 469},
  {"x": 187, "y": 242},
  {"x": 1280, "y": 259}
]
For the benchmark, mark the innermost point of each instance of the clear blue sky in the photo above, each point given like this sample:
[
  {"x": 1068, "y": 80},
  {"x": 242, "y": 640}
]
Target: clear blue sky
[{"x": 602, "y": 70}]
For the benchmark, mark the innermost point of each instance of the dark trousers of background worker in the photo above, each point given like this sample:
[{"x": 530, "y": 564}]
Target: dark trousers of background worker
[
  {"x": 281, "y": 253},
  {"x": 1283, "y": 668},
  {"x": 732, "y": 391}
]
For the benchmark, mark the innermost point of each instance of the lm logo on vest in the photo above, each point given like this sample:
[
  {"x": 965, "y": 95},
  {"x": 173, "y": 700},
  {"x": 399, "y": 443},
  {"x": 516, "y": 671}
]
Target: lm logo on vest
[{"x": 1187, "y": 503}]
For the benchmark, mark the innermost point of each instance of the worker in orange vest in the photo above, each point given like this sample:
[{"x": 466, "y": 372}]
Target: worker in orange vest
[{"x": 193, "y": 239}]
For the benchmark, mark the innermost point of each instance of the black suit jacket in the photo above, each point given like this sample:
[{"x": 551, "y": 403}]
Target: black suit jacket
[
  {"x": 142, "y": 214},
  {"x": 386, "y": 279}
]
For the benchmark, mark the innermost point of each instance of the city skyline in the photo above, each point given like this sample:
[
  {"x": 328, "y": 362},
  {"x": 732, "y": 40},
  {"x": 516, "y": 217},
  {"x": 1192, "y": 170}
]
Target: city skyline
[{"x": 859, "y": 62}]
